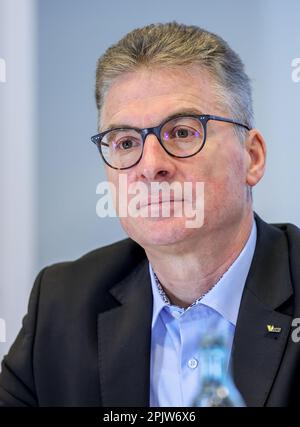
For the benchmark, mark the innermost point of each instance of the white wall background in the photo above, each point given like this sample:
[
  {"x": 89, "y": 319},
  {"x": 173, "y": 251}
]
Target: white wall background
[
  {"x": 18, "y": 190},
  {"x": 49, "y": 169}
]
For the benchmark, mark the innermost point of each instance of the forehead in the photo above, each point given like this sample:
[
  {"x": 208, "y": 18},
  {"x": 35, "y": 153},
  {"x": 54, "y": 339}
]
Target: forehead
[{"x": 145, "y": 97}]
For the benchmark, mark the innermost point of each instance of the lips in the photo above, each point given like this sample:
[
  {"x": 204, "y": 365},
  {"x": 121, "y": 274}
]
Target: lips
[{"x": 160, "y": 201}]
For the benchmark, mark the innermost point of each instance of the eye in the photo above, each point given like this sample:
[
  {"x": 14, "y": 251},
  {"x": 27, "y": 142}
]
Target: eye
[
  {"x": 125, "y": 144},
  {"x": 183, "y": 132}
]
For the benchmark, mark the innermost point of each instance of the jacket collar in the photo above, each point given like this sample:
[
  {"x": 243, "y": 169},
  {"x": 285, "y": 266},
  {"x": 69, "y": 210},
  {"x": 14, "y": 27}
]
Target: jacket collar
[{"x": 124, "y": 342}]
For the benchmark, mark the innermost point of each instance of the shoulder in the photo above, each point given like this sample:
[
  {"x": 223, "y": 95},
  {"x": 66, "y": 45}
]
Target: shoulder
[
  {"x": 116, "y": 255},
  {"x": 286, "y": 230},
  {"x": 291, "y": 231},
  {"x": 292, "y": 235},
  {"x": 283, "y": 241},
  {"x": 91, "y": 275}
]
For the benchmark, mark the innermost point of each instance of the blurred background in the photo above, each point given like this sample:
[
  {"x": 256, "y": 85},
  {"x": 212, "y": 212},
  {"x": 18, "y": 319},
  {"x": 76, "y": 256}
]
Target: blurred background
[{"x": 49, "y": 169}]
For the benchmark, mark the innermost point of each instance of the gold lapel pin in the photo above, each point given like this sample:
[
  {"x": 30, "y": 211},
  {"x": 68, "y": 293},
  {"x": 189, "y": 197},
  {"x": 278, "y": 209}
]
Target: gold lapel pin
[{"x": 273, "y": 329}]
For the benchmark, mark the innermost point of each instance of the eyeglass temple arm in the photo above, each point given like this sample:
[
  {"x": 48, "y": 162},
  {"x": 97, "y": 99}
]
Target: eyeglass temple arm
[
  {"x": 95, "y": 140},
  {"x": 225, "y": 119}
]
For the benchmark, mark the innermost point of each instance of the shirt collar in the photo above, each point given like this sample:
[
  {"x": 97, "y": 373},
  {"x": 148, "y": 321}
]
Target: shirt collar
[{"x": 225, "y": 296}]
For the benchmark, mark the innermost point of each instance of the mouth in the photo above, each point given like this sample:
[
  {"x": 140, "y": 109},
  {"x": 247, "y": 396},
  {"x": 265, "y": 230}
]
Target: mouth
[{"x": 159, "y": 202}]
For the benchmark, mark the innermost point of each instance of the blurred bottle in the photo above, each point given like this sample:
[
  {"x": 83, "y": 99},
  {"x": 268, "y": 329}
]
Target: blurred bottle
[{"x": 217, "y": 385}]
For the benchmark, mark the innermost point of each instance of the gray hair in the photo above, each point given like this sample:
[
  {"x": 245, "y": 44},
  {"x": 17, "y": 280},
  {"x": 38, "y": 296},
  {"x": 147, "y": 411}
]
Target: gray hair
[{"x": 172, "y": 45}]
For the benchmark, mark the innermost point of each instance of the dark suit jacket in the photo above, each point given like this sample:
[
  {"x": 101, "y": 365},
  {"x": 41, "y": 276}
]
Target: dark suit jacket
[{"x": 86, "y": 338}]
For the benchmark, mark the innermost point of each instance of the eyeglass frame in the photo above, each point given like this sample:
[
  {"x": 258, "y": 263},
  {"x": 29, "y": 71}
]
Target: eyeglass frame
[{"x": 156, "y": 130}]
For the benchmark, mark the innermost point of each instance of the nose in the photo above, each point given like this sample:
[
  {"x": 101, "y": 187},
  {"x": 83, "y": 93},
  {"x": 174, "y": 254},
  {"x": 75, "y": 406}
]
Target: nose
[{"x": 156, "y": 164}]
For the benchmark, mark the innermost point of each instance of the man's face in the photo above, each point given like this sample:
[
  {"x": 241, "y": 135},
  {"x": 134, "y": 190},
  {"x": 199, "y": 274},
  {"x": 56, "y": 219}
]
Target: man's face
[{"x": 144, "y": 99}]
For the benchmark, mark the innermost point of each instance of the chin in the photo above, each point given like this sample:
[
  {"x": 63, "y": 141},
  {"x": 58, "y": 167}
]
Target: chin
[{"x": 158, "y": 231}]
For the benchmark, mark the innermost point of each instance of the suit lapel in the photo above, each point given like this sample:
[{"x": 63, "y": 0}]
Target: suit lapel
[
  {"x": 124, "y": 341},
  {"x": 257, "y": 351}
]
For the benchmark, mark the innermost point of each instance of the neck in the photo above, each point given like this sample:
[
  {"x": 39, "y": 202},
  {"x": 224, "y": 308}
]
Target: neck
[{"x": 188, "y": 270}]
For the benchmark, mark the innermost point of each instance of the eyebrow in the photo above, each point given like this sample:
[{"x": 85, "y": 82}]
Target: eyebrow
[{"x": 181, "y": 112}]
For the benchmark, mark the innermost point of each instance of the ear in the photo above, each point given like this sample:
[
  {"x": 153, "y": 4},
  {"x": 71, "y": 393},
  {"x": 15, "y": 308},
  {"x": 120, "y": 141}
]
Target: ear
[{"x": 257, "y": 151}]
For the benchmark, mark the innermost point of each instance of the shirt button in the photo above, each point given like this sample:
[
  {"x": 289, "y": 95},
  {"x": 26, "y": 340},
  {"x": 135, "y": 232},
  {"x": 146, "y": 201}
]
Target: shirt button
[{"x": 193, "y": 363}]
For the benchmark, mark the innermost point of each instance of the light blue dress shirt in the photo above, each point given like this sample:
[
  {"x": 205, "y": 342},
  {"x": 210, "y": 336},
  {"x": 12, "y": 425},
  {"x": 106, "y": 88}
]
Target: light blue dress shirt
[{"x": 175, "y": 371}]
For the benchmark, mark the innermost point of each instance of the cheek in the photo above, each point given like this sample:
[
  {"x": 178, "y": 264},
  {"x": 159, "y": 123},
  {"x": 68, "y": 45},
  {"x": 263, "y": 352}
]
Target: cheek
[
  {"x": 229, "y": 165},
  {"x": 123, "y": 189},
  {"x": 227, "y": 188},
  {"x": 113, "y": 177},
  {"x": 125, "y": 223},
  {"x": 224, "y": 176}
]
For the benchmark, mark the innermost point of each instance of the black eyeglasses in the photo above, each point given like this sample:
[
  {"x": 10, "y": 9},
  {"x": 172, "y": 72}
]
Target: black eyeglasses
[{"x": 180, "y": 136}]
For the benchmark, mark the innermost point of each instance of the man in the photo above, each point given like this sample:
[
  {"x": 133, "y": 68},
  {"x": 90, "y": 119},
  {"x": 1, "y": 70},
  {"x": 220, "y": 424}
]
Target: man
[{"x": 122, "y": 325}]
